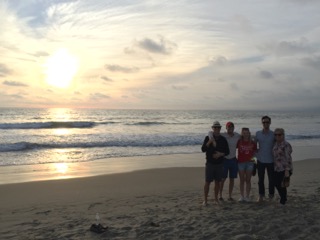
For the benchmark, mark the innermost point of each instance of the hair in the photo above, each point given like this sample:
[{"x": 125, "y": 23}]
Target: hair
[
  {"x": 246, "y": 129},
  {"x": 279, "y": 130},
  {"x": 266, "y": 117}
]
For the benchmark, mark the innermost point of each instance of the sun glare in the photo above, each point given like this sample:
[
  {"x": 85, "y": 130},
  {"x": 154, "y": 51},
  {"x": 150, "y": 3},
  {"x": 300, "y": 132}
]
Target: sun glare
[
  {"x": 61, "y": 68},
  {"x": 61, "y": 167}
]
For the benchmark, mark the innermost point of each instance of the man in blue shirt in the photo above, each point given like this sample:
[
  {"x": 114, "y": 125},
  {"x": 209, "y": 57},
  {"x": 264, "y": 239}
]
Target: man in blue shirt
[{"x": 265, "y": 140}]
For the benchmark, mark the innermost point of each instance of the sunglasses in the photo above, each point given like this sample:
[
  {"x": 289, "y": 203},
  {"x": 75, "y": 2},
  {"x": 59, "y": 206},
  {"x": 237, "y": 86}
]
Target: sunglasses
[
  {"x": 216, "y": 127},
  {"x": 278, "y": 134}
]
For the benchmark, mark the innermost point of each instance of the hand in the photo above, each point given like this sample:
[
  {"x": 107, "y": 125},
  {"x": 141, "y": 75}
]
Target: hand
[
  {"x": 211, "y": 141},
  {"x": 286, "y": 173},
  {"x": 217, "y": 155}
]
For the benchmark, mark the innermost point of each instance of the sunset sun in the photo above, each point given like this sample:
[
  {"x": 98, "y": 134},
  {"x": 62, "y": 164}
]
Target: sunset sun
[{"x": 61, "y": 68}]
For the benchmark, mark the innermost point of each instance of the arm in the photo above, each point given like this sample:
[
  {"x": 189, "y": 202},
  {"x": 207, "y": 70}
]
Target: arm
[
  {"x": 255, "y": 149},
  {"x": 205, "y": 146},
  {"x": 224, "y": 149},
  {"x": 288, "y": 158}
]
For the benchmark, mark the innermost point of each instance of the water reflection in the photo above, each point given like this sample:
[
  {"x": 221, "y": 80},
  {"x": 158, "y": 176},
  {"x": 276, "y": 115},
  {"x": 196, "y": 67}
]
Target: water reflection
[
  {"x": 60, "y": 114},
  {"x": 61, "y": 131},
  {"x": 61, "y": 168}
]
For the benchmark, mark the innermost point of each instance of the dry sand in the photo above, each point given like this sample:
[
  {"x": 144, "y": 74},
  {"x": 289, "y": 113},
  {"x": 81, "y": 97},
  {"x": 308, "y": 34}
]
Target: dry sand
[{"x": 157, "y": 204}]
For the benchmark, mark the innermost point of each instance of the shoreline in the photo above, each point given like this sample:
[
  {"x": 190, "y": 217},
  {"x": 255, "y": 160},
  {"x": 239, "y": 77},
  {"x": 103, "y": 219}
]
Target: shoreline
[{"x": 54, "y": 171}]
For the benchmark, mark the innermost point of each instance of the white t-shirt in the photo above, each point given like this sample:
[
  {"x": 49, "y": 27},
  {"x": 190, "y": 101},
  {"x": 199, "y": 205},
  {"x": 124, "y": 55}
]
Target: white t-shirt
[{"x": 232, "y": 142}]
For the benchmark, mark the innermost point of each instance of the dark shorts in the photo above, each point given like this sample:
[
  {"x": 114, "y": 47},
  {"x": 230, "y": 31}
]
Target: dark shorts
[
  {"x": 214, "y": 172},
  {"x": 230, "y": 166}
]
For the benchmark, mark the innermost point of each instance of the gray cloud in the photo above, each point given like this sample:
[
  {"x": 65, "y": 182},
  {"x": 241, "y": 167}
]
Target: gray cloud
[
  {"x": 41, "y": 54},
  {"x": 118, "y": 68},
  {"x": 161, "y": 46},
  {"x": 313, "y": 62},
  {"x": 97, "y": 96},
  {"x": 288, "y": 48},
  {"x": 4, "y": 71},
  {"x": 14, "y": 84},
  {"x": 243, "y": 23},
  {"x": 265, "y": 74},
  {"x": 106, "y": 79},
  {"x": 17, "y": 96},
  {"x": 234, "y": 86},
  {"x": 179, "y": 87},
  {"x": 12, "y": 96},
  {"x": 220, "y": 60}
]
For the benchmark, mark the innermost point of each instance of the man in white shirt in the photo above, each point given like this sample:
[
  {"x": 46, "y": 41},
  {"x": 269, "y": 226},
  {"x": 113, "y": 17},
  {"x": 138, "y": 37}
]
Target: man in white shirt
[{"x": 230, "y": 164}]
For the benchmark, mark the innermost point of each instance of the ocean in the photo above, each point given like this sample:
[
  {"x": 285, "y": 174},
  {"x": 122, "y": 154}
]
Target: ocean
[{"x": 61, "y": 135}]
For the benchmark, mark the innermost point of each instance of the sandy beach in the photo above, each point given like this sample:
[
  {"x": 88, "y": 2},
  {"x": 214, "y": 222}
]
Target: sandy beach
[{"x": 162, "y": 203}]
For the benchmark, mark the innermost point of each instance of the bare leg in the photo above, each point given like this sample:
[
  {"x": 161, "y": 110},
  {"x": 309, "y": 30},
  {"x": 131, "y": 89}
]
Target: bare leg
[
  {"x": 231, "y": 184},
  {"x": 248, "y": 183},
  {"x": 206, "y": 191},
  {"x": 242, "y": 180},
  {"x": 221, "y": 186},
  {"x": 216, "y": 190}
]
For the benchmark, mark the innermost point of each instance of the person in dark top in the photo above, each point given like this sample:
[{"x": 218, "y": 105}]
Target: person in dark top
[{"x": 216, "y": 148}]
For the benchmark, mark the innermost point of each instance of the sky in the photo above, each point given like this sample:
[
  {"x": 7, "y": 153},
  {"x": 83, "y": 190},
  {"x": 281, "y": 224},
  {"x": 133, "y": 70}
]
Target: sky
[{"x": 158, "y": 54}]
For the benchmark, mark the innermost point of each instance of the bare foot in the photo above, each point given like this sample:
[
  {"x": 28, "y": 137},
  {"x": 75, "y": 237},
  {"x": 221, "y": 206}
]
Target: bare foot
[{"x": 216, "y": 202}]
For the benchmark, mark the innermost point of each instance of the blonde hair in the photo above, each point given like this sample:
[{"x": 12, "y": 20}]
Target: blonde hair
[{"x": 279, "y": 130}]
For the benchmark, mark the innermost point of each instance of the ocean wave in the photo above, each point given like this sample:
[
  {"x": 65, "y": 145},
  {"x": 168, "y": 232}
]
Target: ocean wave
[
  {"x": 144, "y": 141},
  {"x": 39, "y": 125},
  {"x": 23, "y": 146},
  {"x": 147, "y": 123},
  {"x": 301, "y": 137},
  {"x": 75, "y": 124}
]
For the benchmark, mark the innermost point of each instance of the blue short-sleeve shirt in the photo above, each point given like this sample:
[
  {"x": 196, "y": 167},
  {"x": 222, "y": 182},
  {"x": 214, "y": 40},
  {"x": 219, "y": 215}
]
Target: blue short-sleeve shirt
[{"x": 265, "y": 142}]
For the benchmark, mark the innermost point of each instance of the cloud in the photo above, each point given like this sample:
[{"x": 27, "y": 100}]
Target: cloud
[
  {"x": 234, "y": 86},
  {"x": 14, "y": 84},
  {"x": 41, "y": 54},
  {"x": 4, "y": 71},
  {"x": 179, "y": 87},
  {"x": 12, "y": 96},
  {"x": 242, "y": 23},
  {"x": 160, "y": 46},
  {"x": 118, "y": 68},
  {"x": 104, "y": 78},
  {"x": 265, "y": 74},
  {"x": 288, "y": 48},
  {"x": 220, "y": 60},
  {"x": 98, "y": 96},
  {"x": 191, "y": 49},
  {"x": 313, "y": 62},
  {"x": 16, "y": 96}
]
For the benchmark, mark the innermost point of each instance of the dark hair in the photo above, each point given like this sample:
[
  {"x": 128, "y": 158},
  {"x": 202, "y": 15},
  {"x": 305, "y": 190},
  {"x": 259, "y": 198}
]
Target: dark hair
[{"x": 266, "y": 117}]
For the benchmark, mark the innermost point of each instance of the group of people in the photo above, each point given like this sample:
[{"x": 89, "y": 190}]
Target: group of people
[{"x": 267, "y": 149}]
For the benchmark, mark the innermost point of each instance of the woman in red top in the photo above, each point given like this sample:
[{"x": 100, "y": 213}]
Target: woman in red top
[{"x": 246, "y": 151}]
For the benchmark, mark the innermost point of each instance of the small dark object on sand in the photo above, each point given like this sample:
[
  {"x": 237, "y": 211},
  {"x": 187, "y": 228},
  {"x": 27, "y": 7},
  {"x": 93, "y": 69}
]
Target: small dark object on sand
[{"x": 98, "y": 228}]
